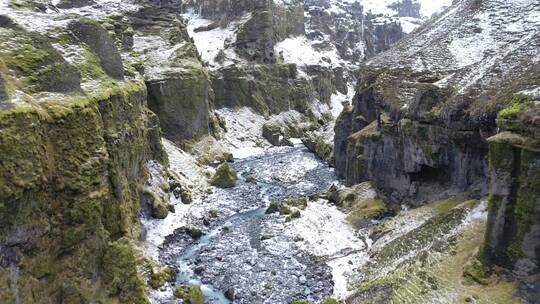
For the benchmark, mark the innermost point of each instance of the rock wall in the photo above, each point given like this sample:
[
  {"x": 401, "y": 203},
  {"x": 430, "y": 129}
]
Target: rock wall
[
  {"x": 76, "y": 138},
  {"x": 269, "y": 89},
  {"x": 179, "y": 86},
  {"x": 70, "y": 187},
  {"x": 410, "y": 159},
  {"x": 513, "y": 238}
]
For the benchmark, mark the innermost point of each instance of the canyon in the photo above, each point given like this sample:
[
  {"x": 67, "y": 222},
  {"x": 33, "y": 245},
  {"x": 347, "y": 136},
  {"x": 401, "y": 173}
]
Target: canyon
[{"x": 269, "y": 151}]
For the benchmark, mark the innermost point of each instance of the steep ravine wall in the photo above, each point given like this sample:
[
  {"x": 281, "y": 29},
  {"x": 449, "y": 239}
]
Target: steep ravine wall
[
  {"x": 70, "y": 186},
  {"x": 423, "y": 128},
  {"x": 410, "y": 159},
  {"x": 76, "y": 141},
  {"x": 513, "y": 233}
]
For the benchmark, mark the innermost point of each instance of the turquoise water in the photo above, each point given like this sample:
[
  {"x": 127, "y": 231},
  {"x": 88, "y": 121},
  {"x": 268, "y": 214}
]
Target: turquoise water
[{"x": 186, "y": 273}]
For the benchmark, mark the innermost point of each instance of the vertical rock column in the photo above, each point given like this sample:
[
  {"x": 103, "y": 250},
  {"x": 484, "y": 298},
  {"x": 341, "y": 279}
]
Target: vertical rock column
[{"x": 513, "y": 232}]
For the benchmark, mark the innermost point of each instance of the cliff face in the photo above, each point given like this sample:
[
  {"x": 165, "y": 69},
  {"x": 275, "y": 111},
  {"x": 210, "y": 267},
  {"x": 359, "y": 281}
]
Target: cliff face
[
  {"x": 179, "y": 87},
  {"x": 512, "y": 238},
  {"x": 420, "y": 121},
  {"x": 279, "y": 56},
  {"x": 76, "y": 138}
]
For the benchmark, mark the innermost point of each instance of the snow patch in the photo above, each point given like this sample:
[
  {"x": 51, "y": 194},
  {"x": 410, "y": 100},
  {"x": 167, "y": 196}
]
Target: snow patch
[{"x": 325, "y": 233}]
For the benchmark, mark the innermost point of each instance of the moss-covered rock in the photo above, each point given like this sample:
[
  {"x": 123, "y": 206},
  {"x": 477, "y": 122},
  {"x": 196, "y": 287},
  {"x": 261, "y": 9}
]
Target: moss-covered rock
[
  {"x": 101, "y": 43},
  {"x": 300, "y": 203},
  {"x": 36, "y": 64},
  {"x": 365, "y": 211},
  {"x": 225, "y": 177},
  {"x": 194, "y": 232},
  {"x": 189, "y": 294},
  {"x": 77, "y": 167},
  {"x": 160, "y": 278},
  {"x": 120, "y": 272},
  {"x": 276, "y": 134},
  {"x": 513, "y": 211},
  {"x": 273, "y": 207}
]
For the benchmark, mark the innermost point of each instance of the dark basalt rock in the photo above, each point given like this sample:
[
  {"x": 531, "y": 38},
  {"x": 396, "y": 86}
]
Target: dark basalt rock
[
  {"x": 99, "y": 41},
  {"x": 74, "y": 3},
  {"x": 3, "y": 91}
]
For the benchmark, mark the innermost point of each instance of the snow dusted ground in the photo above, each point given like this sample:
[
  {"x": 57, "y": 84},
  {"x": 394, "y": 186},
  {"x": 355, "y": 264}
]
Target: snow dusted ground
[
  {"x": 210, "y": 42},
  {"x": 53, "y": 17},
  {"x": 473, "y": 46},
  {"x": 300, "y": 50},
  {"x": 325, "y": 233},
  {"x": 184, "y": 166}
]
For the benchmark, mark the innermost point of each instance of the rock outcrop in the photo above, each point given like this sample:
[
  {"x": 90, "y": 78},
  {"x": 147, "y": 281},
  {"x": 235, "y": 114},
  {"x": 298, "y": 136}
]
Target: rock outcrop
[
  {"x": 248, "y": 45},
  {"x": 76, "y": 138},
  {"x": 418, "y": 129},
  {"x": 179, "y": 87},
  {"x": 426, "y": 118},
  {"x": 512, "y": 238}
]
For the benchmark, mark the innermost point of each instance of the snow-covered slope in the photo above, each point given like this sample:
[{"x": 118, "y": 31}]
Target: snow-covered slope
[{"x": 474, "y": 45}]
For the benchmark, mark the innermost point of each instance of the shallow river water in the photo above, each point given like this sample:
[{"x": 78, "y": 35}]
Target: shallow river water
[{"x": 247, "y": 252}]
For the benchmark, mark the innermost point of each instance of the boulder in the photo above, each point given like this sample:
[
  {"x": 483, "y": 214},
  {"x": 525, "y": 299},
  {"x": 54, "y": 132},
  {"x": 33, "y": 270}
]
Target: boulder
[
  {"x": 189, "y": 294},
  {"x": 225, "y": 177},
  {"x": 275, "y": 134}
]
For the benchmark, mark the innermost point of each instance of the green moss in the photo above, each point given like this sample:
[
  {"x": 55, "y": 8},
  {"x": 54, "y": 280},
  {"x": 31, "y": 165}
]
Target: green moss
[
  {"x": 300, "y": 302},
  {"x": 90, "y": 66},
  {"x": 367, "y": 209},
  {"x": 294, "y": 215},
  {"x": 519, "y": 104},
  {"x": 300, "y": 203},
  {"x": 194, "y": 232},
  {"x": 120, "y": 273},
  {"x": 273, "y": 207},
  {"x": 524, "y": 211},
  {"x": 477, "y": 272},
  {"x": 285, "y": 210},
  {"x": 213, "y": 213},
  {"x": 330, "y": 301},
  {"x": 158, "y": 279},
  {"x": 225, "y": 177},
  {"x": 501, "y": 157},
  {"x": 251, "y": 179},
  {"x": 189, "y": 294}
]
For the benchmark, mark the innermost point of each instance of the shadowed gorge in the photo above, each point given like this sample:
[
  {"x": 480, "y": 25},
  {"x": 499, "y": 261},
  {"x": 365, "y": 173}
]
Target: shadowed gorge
[{"x": 269, "y": 151}]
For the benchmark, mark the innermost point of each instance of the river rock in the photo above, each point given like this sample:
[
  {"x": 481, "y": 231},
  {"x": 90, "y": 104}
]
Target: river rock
[
  {"x": 225, "y": 177},
  {"x": 230, "y": 294}
]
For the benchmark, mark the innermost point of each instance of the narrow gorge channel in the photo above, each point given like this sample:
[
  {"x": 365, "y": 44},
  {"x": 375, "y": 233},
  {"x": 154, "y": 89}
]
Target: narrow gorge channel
[
  {"x": 269, "y": 152},
  {"x": 248, "y": 252}
]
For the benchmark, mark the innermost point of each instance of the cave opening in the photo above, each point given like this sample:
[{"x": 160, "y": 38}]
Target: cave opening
[{"x": 430, "y": 174}]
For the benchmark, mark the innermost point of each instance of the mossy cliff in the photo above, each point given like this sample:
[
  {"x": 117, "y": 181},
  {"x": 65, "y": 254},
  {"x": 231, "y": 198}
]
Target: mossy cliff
[
  {"x": 268, "y": 89},
  {"x": 70, "y": 183},
  {"x": 512, "y": 240},
  {"x": 74, "y": 155},
  {"x": 179, "y": 87}
]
